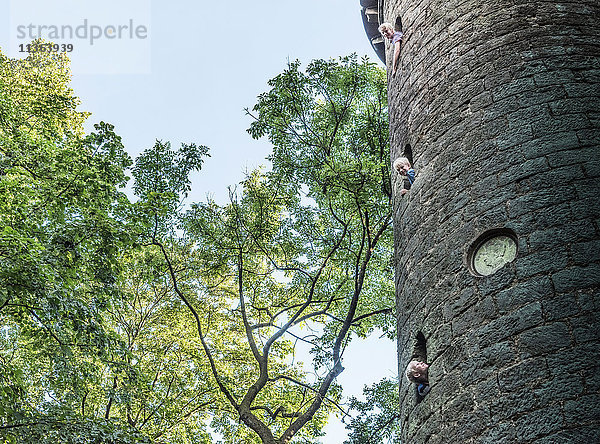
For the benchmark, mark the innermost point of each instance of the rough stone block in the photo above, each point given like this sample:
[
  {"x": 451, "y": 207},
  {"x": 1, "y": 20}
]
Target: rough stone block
[
  {"x": 585, "y": 409},
  {"x": 516, "y": 137},
  {"x": 538, "y": 423},
  {"x": 585, "y": 207},
  {"x": 562, "y": 159},
  {"x": 591, "y": 377},
  {"x": 550, "y": 144},
  {"x": 541, "y": 219},
  {"x": 503, "y": 433},
  {"x": 560, "y": 307},
  {"x": 529, "y": 168},
  {"x": 526, "y": 292},
  {"x": 575, "y": 122},
  {"x": 547, "y": 78},
  {"x": 589, "y": 136},
  {"x": 544, "y": 339},
  {"x": 541, "y": 261},
  {"x": 514, "y": 88},
  {"x": 497, "y": 281},
  {"x": 589, "y": 300},
  {"x": 585, "y": 328},
  {"x": 540, "y": 199},
  {"x": 465, "y": 299},
  {"x": 565, "y": 385},
  {"x": 562, "y": 176},
  {"x": 577, "y": 277},
  {"x": 567, "y": 233},
  {"x": 486, "y": 364},
  {"x": 574, "y": 435},
  {"x": 524, "y": 376},
  {"x": 474, "y": 316},
  {"x": 588, "y": 189},
  {"x": 510, "y": 324},
  {"x": 493, "y": 217},
  {"x": 585, "y": 356},
  {"x": 508, "y": 405},
  {"x": 592, "y": 168}
]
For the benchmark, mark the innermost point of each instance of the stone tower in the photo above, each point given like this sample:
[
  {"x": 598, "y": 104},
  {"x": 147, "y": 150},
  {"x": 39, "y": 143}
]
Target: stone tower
[{"x": 497, "y": 243}]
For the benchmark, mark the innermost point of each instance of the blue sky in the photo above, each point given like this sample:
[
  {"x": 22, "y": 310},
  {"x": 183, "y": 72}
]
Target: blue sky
[{"x": 201, "y": 64}]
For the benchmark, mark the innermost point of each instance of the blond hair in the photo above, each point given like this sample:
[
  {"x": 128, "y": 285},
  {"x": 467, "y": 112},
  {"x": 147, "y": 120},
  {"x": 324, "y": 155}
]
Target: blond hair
[
  {"x": 385, "y": 26},
  {"x": 401, "y": 161}
]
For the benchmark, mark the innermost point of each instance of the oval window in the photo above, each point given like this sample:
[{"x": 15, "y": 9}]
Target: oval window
[{"x": 491, "y": 251}]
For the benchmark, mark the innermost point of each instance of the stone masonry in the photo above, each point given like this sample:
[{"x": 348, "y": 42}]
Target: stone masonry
[{"x": 499, "y": 103}]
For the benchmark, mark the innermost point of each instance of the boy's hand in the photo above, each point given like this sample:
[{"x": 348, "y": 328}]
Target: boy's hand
[{"x": 403, "y": 191}]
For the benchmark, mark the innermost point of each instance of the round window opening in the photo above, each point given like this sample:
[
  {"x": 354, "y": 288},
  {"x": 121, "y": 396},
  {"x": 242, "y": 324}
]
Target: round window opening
[{"x": 491, "y": 251}]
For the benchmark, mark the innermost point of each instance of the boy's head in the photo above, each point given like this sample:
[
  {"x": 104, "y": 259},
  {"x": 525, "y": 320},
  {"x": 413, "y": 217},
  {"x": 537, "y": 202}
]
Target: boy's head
[
  {"x": 416, "y": 371},
  {"x": 402, "y": 165},
  {"x": 386, "y": 30}
]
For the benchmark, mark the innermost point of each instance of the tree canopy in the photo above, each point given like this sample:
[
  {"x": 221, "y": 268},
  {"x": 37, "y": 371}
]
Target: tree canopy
[
  {"x": 148, "y": 320},
  {"x": 60, "y": 242}
]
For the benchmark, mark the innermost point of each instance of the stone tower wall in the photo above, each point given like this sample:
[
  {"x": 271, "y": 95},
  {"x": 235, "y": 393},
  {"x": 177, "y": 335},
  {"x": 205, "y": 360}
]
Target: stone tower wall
[{"x": 499, "y": 104}]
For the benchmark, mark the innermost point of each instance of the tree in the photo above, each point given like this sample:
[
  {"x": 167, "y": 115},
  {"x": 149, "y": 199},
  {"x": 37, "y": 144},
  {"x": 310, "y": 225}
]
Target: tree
[
  {"x": 172, "y": 393},
  {"x": 94, "y": 345},
  {"x": 378, "y": 418},
  {"x": 304, "y": 250},
  {"x": 141, "y": 322},
  {"x": 60, "y": 239}
]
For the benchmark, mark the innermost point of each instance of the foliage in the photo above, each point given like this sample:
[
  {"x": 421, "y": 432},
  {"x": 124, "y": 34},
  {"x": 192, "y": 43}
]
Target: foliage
[
  {"x": 59, "y": 238},
  {"x": 64, "y": 226},
  {"x": 72, "y": 430},
  {"x": 301, "y": 253},
  {"x": 140, "y": 322},
  {"x": 164, "y": 390},
  {"x": 377, "y": 420},
  {"x": 94, "y": 346},
  {"x": 329, "y": 131}
]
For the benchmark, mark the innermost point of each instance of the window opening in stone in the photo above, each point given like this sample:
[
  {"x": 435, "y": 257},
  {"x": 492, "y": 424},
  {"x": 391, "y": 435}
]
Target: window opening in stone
[
  {"x": 491, "y": 251},
  {"x": 398, "y": 24},
  {"x": 393, "y": 34},
  {"x": 403, "y": 167},
  {"x": 408, "y": 154},
  {"x": 417, "y": 370}
]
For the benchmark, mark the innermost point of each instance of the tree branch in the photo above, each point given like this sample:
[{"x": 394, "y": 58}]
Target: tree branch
[{"x": 209, "y": 355}]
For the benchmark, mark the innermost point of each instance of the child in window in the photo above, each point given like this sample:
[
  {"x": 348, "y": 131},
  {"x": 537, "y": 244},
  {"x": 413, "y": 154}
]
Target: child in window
[
  {"x": 416, "y": 372},
  {"x": 402, "y": 165},
  {"x": 387, "y": 30}
]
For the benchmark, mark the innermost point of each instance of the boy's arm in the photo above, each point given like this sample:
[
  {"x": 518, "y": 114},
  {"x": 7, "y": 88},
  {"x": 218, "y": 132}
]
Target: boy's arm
[{"x": 396, "y": 56}]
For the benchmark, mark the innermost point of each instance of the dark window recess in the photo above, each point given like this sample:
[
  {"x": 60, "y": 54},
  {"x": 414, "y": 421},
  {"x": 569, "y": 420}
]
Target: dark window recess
[
  {"x": 420, "y": 354},
  {"x": 408, "y": 153},
  {"x": 420, "y": 348},
  {"x": 398, "y": 24}
]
